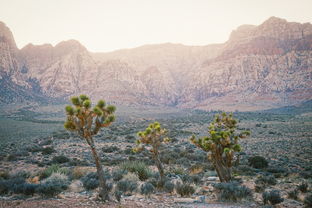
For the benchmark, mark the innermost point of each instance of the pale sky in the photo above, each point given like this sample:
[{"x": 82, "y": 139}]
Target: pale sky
[{"x": 106, "y": 25}]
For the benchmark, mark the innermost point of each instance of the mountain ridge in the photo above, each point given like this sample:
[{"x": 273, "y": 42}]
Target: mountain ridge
[{"x": 259, "y": 67}]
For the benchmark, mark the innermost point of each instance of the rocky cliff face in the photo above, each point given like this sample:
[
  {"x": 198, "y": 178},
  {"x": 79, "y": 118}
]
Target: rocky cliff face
[{"x": 259, "y": 67}]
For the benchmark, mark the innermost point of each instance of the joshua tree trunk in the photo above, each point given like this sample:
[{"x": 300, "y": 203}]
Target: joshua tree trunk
[
  {"x": 159, "y": 165},
  {"x": 160, "y": 168},
  {"x": 104, "y": 189},
  {"x": 223, "y": 172}
]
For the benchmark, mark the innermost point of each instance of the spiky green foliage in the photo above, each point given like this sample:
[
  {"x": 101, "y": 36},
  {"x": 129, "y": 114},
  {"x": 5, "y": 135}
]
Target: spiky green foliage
[
  {"x": 152, "y": 138},
  {"x": 87, "y": 122},
  {"x": 221, "y": 143}
]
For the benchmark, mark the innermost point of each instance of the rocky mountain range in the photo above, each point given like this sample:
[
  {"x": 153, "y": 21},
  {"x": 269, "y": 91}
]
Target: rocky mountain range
[{"x": 259, "y": 67}]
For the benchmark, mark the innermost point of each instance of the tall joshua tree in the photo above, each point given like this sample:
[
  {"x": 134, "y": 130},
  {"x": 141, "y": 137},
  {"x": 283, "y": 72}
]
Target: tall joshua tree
[
  {"x": 87, "y": 122},
  {"x": 221, "y": 144},
  {"x": 153, "y": 137}
]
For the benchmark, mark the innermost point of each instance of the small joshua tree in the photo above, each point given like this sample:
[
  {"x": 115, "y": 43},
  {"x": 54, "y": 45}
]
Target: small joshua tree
[
  {"x": 221, "y": 144},
  {"x": 87, "y": 123},
  {"x": 154, "y": 136}
]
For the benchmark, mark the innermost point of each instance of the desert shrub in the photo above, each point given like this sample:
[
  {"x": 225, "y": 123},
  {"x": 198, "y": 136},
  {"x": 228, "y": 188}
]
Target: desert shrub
[
  {"x": 303, "y": 187},
  {"x": 78, "y": 173},
  {"x": 147, "y": 189},
  {"x": 183, "y": 161},
  {"x": 126, "y": 186},
  {"x": 169, "y": 157},
  {"x": 53, "y": 169},
  {"x": 168, "y": 187},
  {"x": 110, "y": 149},
  {"x": 232, "y": 191},
  {"x": 58, "y": 177},
  {"x": 25, "y": 188},
  {"x": 49, "y": 189},
  {"x": 77, "y": 162},
  {"x": 33, "y": 148},
  {"x": 4, "y": 175},
  {"x": 117, "y": 195},
  {"x": 308, "y": 201},
  {"x": 277, "y": 171},
  {"x": 306, "y": 174},
  {"x": 185, "y": 189},
  {"x": 196, "y": 179},
  {"x": 131, "y": 177},
  {"x": 186, "y": 178},
  {"x": 60, "y": 159},
  {"x": 273, "y": 197},
  {"x": 118, "y": 174},
  {"x": 293, "y": 194},
  {"x": 90, "y": 181},
  {"x": 260, "y": 187},
  {"x": 12, "y": 157},
  {"x": 266, "y": 180},
  {"x": 258, "y": 162},
  {"x": 177, "y": 170},
  {"x": 7, "y": 185},
  {"x": 47, "y": 150},
  {"x": 21, "y": 174},
  {"x": 138, "y": 168},
  {"x": 153, "y": 181},
  {"x": 245, "y": 170}
]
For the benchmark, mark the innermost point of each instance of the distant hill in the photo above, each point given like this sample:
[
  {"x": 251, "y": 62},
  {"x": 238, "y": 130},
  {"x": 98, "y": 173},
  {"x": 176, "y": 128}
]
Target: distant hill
[
  {"x": 259, "y": 67},
  {"x": 305, "y": 107}
]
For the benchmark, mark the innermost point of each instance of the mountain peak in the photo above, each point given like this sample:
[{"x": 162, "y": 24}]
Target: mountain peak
[
  {"x": 70, "y": 46},
  {"x": 273, "y": 20},
  {"x": 7, "y": 36}
]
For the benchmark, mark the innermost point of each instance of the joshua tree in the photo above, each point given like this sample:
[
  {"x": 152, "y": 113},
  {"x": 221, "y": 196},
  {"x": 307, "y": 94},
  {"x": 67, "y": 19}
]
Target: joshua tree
[
  {"x": 221, "y": 144},
  {"x": 87, "y": 123},
  {"x": 154, "y": 136}
]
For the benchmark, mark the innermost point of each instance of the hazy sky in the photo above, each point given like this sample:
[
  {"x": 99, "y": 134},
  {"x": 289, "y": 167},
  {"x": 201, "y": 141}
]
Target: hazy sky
[{"x": 105, "y": 25}]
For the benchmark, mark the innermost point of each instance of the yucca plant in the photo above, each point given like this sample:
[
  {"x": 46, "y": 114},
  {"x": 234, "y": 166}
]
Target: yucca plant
[
  {"x": 152, "y": 138},
  {"x": 87, "y": 122},
  {"x": 221, "y": 144}
]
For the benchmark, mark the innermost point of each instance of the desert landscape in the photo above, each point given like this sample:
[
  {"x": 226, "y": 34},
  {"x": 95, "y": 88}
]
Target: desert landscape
[{"x": 159, "y": 125}]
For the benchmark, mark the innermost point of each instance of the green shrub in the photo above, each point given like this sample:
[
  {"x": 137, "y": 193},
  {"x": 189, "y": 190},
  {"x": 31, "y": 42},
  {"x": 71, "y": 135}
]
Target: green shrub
[
  {"x": 118, "y": 195},
  {"x": 303, "y": 187},
  {"x": 60, "y": 159},
  {"x": 48, "y": 150},
  {"x": 118, "y": 174},
  {"x": 58, "y": 178},
  {"x": 185, "y": 189},
  {"x": 53, "y": 169},
  {"x": 90, "y": 181},
  {"x": 7, "y": 185},
  {"x": 147, "y": 189},
  {"x": 232, "y": 191},
  {"x": 4, "y": 175},
  {"x": 245, "y": 170},
  {"x": 126, "y": 186},
  {"x": 273, "y": 197},
  {"x": 168, "y": 187},
  {"x": 25, "y": 188},
  {"x": 21, "y": 174},
  {"x": 49, "y": 189},
  {"x": 258, "y": 162},
  {"x": 196, "y": 179},
  {"x": 293, "y": 194},
  {"x": 308, "y": 201},
  {"x": 139, "y": 168},
  {"x": 110, "y": 149},
  {"x": 266, "y": 180}
]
